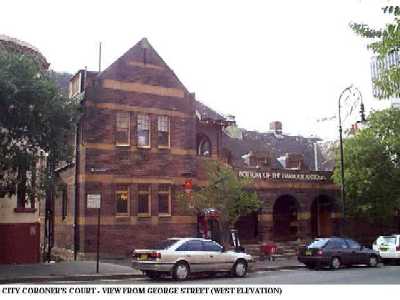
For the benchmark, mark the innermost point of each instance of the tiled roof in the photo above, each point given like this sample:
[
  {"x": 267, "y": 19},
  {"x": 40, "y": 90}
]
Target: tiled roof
[
  {"x": 208, "y": 113},
  {"x": 19, "y": 46},
  {"x": 268, "y": 142}
]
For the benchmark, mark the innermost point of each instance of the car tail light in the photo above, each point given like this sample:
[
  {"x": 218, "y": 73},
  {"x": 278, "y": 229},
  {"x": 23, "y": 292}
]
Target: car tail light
[
  {"x": 155, "y": 255},
  {"x": 319, "y": 252},
  {"x": 398, "y": 248}
]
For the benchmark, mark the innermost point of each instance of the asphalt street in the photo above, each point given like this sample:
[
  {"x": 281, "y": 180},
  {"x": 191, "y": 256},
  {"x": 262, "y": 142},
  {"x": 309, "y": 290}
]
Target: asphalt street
[{"x": 354, "y": 275}]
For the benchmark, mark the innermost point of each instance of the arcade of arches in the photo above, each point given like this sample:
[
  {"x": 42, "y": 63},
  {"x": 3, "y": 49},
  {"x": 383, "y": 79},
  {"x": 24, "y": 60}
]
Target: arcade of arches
[{"x": 291, "y": 216}]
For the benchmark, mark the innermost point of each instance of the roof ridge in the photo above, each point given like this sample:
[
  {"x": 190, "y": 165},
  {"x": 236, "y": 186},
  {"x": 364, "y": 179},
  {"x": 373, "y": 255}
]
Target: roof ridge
[{"x": 144, "y": 43}]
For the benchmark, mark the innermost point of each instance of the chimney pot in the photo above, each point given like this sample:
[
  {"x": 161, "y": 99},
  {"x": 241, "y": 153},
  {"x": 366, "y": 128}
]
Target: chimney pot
[{"x": 276, "y": 127}]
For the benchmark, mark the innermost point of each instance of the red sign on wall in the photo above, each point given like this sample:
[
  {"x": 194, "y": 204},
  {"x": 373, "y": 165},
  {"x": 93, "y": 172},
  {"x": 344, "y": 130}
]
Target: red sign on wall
[{"x": 188, "y": 185}]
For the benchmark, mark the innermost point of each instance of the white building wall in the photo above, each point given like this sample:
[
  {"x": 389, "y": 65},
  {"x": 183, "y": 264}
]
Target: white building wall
[{"x": 9, "y": 216}]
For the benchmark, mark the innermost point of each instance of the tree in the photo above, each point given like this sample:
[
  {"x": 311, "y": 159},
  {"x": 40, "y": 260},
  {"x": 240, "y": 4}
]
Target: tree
[
  {"x": 36, "y": 119},
  {"x": 385, "y": 41},
  {"x": 372, "y": 168},
  {"x": 225, "y": 192}
]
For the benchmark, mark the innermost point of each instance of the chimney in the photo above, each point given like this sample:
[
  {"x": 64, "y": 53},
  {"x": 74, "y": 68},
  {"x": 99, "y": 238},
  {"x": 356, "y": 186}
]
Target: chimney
[{"x": 276, "y": 127}]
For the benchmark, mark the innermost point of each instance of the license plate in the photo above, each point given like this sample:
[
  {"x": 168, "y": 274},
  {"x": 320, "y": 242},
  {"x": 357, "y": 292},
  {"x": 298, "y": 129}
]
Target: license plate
[
  {"x": 142, "y": 257},
  {"x": 308, "y": 253}
]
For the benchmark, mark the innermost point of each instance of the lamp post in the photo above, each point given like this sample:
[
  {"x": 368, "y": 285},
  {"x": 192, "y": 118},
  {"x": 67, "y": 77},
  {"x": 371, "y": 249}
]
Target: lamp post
[
  {"x": 352, "y": 90},
  {"x": 342, "y": 194}
]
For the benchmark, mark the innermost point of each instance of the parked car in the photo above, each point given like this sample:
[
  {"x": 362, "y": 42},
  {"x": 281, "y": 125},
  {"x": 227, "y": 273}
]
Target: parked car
[
  {"x": 388, "y": 247},
  {"x": 181, "y": 257},
  {"x": 336, "y": 252}
]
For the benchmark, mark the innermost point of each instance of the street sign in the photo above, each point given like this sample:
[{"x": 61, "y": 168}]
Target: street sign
[{"x": 93, "y": 200}]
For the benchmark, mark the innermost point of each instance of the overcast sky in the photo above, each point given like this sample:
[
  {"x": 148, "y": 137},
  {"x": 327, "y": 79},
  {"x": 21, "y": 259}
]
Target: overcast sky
[{"x": 258, "y": 60}]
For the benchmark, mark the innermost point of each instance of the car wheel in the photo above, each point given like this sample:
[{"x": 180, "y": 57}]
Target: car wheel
[
  {"x": 373, "y": 261},
  {"x": 335, "y": 263},
  {"x": 239, "y": 268},
  {"x": 153, "y": 275},
  {"x": 181, "y": 271}
]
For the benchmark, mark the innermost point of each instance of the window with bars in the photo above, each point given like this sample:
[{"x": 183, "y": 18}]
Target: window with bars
[
  {"x": 163, "y": 132},
  {"x": 144, "y": 206},
  {"x": 143, "y": 131},
  {"x": 164, "y": 200},
  {"x": 122, "y": 199},
  {"x": 122, "y": 137}
]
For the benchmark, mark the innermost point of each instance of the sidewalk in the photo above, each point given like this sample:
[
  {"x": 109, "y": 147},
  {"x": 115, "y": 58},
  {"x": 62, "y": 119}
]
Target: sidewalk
[
  {"x": 68, "y": 271},
  {"x": 112, "y": 269}
]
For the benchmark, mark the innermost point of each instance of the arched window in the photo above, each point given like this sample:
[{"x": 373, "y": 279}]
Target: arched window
[{"x": 203, "y": 146}]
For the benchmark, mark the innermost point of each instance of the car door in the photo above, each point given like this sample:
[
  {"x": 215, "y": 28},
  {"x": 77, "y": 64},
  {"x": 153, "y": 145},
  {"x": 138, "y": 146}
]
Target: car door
[
  {"x": 218, "y": 260},
  {"x": 192, "y": 252},
  {"x": 357, "y": 255},
  {"x": 342, "y": 250}
]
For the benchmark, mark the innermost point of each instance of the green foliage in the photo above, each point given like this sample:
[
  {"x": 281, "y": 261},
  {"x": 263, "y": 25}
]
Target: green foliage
[
  {"x": 34, "y": 116},
  {"x": 372, "y": 168},
  {"x": 384, "y": 41},
  {"x": 225, "y": 192},
  {"x": 392, "y": 9}
]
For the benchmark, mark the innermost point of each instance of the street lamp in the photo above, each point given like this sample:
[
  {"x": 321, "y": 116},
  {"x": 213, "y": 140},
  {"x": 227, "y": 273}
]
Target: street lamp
[{"x": 352, "y": 90}]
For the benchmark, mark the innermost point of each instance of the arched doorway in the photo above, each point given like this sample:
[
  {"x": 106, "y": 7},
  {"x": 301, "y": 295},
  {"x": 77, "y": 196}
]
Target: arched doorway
[
  {"x": 285, "y": 218},
  {"x": 321, "y": 220},
  {"x": 247, "y": 227}
]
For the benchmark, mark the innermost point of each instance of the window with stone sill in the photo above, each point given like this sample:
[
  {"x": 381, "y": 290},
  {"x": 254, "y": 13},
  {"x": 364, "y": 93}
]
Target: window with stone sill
[
  {"x": 163, "y": 132},
  {"x": 164, "y": 200},
  {"x": 122, "y": 202},
  {"x": 144, "y": 200},
  {"x": 143, "y": 131},
  {"x": 122, "y": 136}
]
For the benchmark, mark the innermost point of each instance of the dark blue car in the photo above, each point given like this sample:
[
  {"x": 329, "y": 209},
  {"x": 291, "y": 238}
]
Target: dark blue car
[{"x": 336, "y": 252}]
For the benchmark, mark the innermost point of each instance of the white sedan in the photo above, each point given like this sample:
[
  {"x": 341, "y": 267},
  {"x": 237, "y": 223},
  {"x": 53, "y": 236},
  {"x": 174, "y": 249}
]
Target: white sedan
[{"x": 180, "y": 257}]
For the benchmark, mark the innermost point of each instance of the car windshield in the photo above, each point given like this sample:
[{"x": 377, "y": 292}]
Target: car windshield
[
  {"x": 164, "y": 244},
  {"x": 318, "y": 243},
  {"x": 387, "y": 240}
]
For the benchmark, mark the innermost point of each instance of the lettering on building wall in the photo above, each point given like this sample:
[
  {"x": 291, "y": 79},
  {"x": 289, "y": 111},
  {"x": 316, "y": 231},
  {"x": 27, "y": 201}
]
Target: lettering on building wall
[{"x": 282, "y": 176}]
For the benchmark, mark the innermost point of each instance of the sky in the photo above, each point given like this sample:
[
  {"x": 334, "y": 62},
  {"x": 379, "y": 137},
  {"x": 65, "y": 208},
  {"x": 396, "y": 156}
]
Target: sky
[{"x": 260, "y": 61}]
